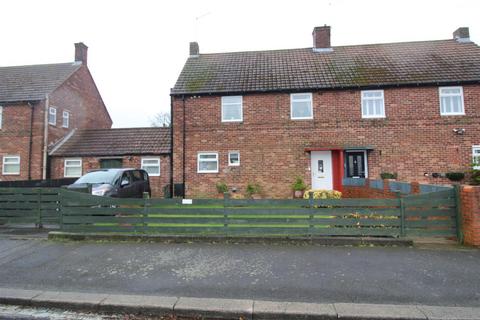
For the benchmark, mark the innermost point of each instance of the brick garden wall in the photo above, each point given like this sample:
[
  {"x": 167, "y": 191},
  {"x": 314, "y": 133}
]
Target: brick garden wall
[
  {"x": 470, "y": 208},
  {"x": 90, "y": 163},
  {"x": 412, "y": 140}
]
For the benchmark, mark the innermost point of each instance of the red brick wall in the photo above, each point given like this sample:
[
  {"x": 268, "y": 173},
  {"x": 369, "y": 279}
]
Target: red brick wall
[
  {"x": 412, "y": 140},
  {"x": 89, "y": 163},
  {"x": 470, "y": 207}
]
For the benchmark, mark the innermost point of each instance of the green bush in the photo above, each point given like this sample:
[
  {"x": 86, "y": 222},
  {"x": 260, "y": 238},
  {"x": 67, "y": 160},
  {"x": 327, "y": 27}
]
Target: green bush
[
  {"x": 388, "y": 175},
  {"x": 475, "y": 175},
  {"x": 455, "y": 176},
  {"x": 299, "y": 184},
  {"x": 252, "y": 188},
  {"x": 222, "y": 187},
  {"x": 323, "y": 194}
]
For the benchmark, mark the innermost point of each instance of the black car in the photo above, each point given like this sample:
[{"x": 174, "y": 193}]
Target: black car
[{"x": 118, "y": 183}]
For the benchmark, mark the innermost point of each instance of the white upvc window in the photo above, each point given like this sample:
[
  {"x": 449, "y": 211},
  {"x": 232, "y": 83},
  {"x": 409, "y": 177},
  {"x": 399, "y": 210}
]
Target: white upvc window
[
  {"x": 65, "y": 119},
  {"x": 451, "y": 101},
  {"x": 72, "y": 168},
  {"x": 301, "y": 106},
  {"x": 1, "y": 117},
  {"x": 373, "y": 104},
  {"x": 152, "y": 166},
  {"x": 207, "y": 162},
  {"x": 232, "y": 109},
  {"x": 52, "y": 116},
  {"x": 11, "y": 165},
  {"x": 234, "y": 158},
  {"x": 476, "y": 157}
]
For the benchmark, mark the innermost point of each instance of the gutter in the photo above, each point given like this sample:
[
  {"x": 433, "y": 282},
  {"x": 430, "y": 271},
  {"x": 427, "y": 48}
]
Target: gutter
[
  {"x": 45, "y": 138},
  {"x": 30, "y": 143}
]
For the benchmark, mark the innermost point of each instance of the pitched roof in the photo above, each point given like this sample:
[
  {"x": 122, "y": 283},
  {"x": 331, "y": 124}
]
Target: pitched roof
[
  {"x": 30, "y": 83},
  {"x": 114, "y": 142},
  {"x": 424, "y": 62}
]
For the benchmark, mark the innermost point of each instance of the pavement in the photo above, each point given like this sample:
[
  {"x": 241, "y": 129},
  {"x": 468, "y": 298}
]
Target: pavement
[{"x": 434, "y": 275}]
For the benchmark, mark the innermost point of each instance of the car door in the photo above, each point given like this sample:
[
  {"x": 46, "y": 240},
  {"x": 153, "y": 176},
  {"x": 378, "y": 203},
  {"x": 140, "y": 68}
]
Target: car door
[{"x": 127, "y": 187}]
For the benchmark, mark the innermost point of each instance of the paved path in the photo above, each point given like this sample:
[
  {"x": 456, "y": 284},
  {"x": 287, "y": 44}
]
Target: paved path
[{"x": 266, "y": 272}]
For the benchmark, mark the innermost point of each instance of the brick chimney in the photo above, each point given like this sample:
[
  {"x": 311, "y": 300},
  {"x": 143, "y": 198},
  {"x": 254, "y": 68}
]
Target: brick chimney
[
  {"x": 321, "y": 39},
  {"x": 81, "y": 52},
  {"x": 462, "y": 34},
  {"x": 194, "y": 49}
]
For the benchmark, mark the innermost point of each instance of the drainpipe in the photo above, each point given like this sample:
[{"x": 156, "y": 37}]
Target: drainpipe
[
  {"x": 183, "y": 146},
  {"x": 171, "y": 147},
  {"x": 45, "y": 139},
  {"x": 30, "y": 143}
]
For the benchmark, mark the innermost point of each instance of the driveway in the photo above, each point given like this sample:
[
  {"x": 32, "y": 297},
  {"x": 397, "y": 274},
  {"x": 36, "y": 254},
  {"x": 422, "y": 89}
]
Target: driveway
[{"x": 447, "y": 277}]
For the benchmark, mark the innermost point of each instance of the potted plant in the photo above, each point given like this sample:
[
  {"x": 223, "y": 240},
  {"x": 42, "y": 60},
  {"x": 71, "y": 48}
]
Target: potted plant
[
  {"x": 388, "y": 176},
  {"x": 455, "y": 176},
  {"x": 299, "y": 188},
  {"x": 252, "y": 190}
]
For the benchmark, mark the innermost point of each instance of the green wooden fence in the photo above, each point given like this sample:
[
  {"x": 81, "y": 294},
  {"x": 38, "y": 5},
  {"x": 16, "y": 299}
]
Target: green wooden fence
[{"x": 417, "y": 215}]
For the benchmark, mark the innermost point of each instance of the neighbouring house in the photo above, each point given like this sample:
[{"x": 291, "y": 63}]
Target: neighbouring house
[
  {"x": 89, "y": 149},
  {"x": 326, "y": 113},
  {"x": 39, "y": 105}
]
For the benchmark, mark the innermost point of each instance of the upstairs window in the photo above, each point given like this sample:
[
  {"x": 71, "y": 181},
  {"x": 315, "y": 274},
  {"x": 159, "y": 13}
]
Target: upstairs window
[
  {"x": 373, "y": 104},
  {"x": 451, "y": 101},
  {"x": 234, "y": 158},
  {"x": 1, "y": 116},
  {"x": 11, "y": 165},
  {"x": 207, "y": 162},
  {"x": 52, "y": 116},
  {"x": 476, "y": 157},
  {"x": 65, "y": 119},
  {"x": 72, "y": 168},
  {"x": 301, "y": 106},
  {"x": 152, "y": 166},
  {"x": 232, "y": 109}
]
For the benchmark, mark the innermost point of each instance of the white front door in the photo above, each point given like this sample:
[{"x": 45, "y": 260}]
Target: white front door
[{"x": 322, "y": 175}]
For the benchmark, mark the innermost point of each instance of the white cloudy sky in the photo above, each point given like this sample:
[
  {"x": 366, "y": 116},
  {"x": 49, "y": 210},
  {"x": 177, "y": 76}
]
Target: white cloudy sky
[{"x": 137, "y": 48}]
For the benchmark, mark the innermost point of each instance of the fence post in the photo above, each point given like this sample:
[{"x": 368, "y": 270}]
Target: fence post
[
  {"x": 146, "y": 204},
  {"x": 60, "y": 208},
  {"x": 458, "y": 213},
  {"x": 402, "y": 213},
  {"x": 226, "y": 196},
  {"x": 311, "y": 205},
  {"x": 39, "y": 208}
]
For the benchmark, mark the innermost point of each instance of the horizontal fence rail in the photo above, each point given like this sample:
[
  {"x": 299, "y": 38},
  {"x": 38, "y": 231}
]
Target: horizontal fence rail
[{"x": 417, "y": 215}]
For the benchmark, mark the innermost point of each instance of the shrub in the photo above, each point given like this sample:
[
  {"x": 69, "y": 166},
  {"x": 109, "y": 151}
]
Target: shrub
[
  {"x": 388, "y": 175},
  {"x": 299, "y": 185},
  {"x": 252, "y": 188},
  {"x": 323, "y": 194},
  {"x": 455, "y": 176},
  {"x": 475, "y": 175},
  {"x": 222, "y": 187}
]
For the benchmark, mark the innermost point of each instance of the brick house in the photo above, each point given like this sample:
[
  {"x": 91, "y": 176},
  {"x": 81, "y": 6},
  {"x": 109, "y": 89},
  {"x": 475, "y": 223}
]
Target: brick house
[
  {"x": 326, "y": 113},
  {"x": 39, "y": 105},
  {"x": 89, "y": 149}
]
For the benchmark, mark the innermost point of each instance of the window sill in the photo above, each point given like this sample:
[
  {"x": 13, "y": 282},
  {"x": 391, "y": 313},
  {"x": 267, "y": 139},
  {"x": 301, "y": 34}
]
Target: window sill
[
  {"x": 11, "y": 174},
  {"x": 451, "y": 114}
]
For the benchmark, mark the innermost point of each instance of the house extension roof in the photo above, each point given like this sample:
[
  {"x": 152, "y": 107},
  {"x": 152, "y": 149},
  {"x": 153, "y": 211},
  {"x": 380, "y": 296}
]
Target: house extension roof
[
  {"x": 31, "y": 83},
  {"x": 114, "y": 142},
  {"x": 423, "y": 62}
]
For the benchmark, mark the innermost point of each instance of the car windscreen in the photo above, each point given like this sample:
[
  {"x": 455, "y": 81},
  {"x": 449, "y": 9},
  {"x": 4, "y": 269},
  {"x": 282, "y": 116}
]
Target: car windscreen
[{"x": 98, "y": 177}]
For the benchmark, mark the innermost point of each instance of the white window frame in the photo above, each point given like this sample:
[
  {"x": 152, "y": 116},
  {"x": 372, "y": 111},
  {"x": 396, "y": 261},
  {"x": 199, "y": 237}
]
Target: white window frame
[
  {"x": 209, "y": 160},
  {"x": 229, "y": 104},
  {"x": 143, "y": 165},
  {"x": 475, "y": 148},
  {"x": 363, "y": 99},
  {"x": 70, "y": 166},
  {"x": 52, "y": 111},
  {"x": 65, "y": 116},
  {"x": 229, "y": 157},
  {"x": 11, "y": 173},
  {"x": 462, "y": 105},
  {"x": 310, "y": 99},
  {"x": 1, "y": 117}
]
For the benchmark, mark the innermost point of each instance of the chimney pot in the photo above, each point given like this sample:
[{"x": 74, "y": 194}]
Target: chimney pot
[
  {"x": 321, "y": 39},
  {"x": 81, "y": 52},
  {"x": 462, "y": 34},
  {"x": 194, "y": 49}
]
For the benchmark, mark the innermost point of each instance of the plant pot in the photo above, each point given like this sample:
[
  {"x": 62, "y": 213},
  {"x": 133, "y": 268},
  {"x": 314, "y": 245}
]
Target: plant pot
[{"x": 298, "y": 194}]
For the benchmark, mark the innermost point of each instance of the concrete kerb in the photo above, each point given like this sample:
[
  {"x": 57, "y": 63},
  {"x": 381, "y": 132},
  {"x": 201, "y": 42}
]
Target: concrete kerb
[
  {"x": 325, "y": 241},
  {"x": 229, "y": 308}
]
